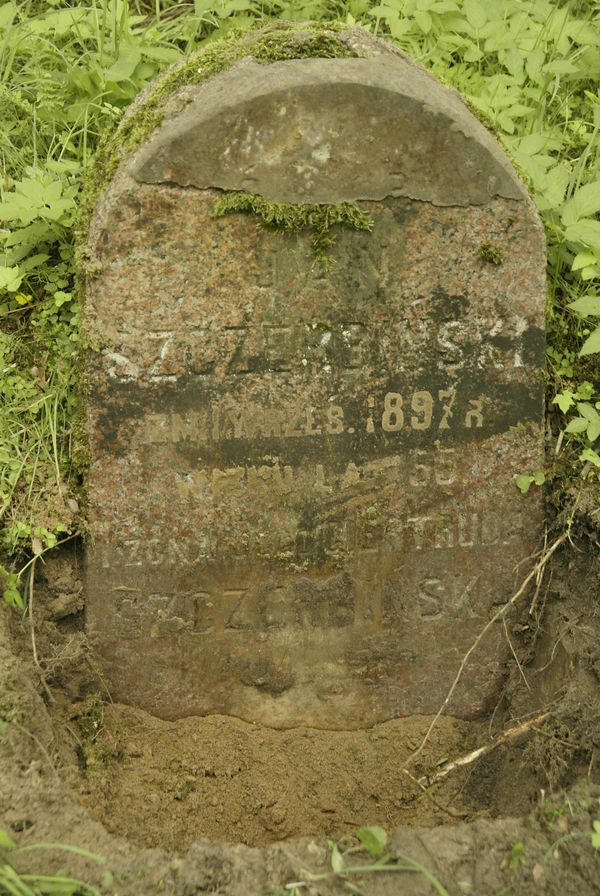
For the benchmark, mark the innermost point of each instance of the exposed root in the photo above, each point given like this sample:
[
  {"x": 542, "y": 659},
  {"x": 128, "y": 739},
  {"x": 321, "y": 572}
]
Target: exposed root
[
  {"x": 515, "y": 657},
  {"x": 452, "y": 812},
  {"x": 471, "y": 757}
]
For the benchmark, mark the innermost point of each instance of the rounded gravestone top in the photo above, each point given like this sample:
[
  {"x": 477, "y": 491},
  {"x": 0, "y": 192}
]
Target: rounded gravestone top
[{"x": 327, "y": 131}]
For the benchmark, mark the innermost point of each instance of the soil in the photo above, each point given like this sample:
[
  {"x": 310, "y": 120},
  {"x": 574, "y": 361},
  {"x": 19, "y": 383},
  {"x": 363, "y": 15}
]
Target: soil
[
  {"x": 217, "y": 805},
  {"x": 227, "y": 780}
]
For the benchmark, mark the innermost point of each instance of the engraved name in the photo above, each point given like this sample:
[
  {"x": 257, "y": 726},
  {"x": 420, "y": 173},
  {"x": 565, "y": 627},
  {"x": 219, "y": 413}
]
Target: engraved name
[
  {"x": 335, "y": 603},
  {"x": 280, "y": 347},
  {"x": 468, "y": 531}
]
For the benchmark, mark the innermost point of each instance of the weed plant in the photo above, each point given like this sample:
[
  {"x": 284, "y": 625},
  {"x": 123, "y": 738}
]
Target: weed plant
[{"x": 68, "y": 70}]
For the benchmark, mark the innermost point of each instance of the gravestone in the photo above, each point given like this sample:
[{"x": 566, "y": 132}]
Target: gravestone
[{"x": 301, "y": 493}]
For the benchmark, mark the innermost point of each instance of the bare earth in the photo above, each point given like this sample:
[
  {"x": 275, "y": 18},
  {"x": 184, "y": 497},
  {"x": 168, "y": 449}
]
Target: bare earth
[{"x": 217, "y": 805}]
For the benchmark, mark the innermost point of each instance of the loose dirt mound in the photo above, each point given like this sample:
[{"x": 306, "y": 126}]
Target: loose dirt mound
[{"x": 227, "y": 780}]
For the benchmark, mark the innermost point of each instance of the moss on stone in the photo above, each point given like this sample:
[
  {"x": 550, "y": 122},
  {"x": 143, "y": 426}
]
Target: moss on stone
[
  {"x": 275, "y": 42},
  {"x": 290, "y": 218},
  {"x": 490, "y": 253}
]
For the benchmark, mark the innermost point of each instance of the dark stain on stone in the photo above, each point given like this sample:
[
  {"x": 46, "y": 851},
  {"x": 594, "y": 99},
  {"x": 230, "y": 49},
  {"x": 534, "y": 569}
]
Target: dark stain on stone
[
  {"x": 449, "y": 307},
  {"x": 404, "y": 213}
]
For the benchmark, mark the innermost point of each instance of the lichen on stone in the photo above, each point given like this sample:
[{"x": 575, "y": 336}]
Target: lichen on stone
[{"x": 292, "y": 218}]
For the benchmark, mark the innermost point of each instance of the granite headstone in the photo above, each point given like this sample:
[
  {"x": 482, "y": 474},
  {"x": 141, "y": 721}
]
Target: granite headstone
[{"x": 302, "y": 499}]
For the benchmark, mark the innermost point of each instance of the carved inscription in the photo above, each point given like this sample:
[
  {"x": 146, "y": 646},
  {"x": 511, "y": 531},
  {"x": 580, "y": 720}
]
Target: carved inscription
[
  {"x": 420, "y": 411},
  {"x": 406, "y": 535},
  {"x": 272, "y": 347},
  {"x": 302, "y": 604},
  {"x": 216, "y": 350},
  {"x": 423, "y": 468}
]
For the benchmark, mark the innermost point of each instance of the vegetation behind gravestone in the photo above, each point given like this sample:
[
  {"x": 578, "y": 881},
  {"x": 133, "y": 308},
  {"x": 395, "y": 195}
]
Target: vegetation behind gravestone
[{"x": 69, "y": 70}]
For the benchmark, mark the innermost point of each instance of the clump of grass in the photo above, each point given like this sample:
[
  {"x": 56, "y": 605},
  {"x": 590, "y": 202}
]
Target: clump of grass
[{"x": 19, "y": 883}]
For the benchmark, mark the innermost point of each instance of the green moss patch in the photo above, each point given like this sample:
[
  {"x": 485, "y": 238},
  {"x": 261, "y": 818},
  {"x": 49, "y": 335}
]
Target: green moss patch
[
  {"x": 273, "y": 43},
  {"x": 318, "y": 219}
]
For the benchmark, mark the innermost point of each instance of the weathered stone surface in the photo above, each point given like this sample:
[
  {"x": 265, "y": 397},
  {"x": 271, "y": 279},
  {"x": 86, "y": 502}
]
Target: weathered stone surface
[
  {"x": 329, "y": 130},
  {"x": 302, "y": 504}
]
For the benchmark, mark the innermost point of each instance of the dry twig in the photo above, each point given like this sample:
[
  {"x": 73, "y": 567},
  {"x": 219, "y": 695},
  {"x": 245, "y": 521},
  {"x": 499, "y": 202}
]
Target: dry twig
[
  {"x": 430, "y": 796},
  {"x": 511, "y": 734},
  {"x": 32, "y": 630}
]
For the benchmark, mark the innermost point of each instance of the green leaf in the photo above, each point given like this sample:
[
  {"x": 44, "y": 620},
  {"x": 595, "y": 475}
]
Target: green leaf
[
  {"x": 586, "y": 230},
  {"x": 585, "y": 391},
  {"x": 539, "y": 477},
  {"x": 123, "y": 68},
  {"x": 374, "y": 839},
  {"x": 564, "y": 400},
  {"x": 167, "y": 55},
  {"x": 33, "y": 261},
  {"x": 475, "y": 12},
  {"x": 596, "y": 835},
  {"x": 31, "y": 189},
  {"x": 423, "y": 20},
  {"x": 553, "y": 184},
  {"x": 590, "y": 456},
  {"x": 588, "y": 411},
  {"x": 584, "y": 202},
  {"x": 583, "y": 259},
  {"x": 514, "y": 61},
  {"x": 473, "y": 54},
  {"x": 590, "y": 272},
  {"x": 560, "y": 67},
  {"x": 12, "y": 597},
  {"x": 337, "y": 860},
  {"x": 586, "y": 305},
  {"x": 591, "y": 344},
  {"x": 523, "y": 482},
  {"x": 10, "y": 278},
  {"x": 6, "y": 841},
  {"x": 533, "y": 64},
  {"x": 52, "y": 192},
  {"x": 593, "y": 431},
  {"x": 532, "y": 144},
  {"x": 578, "y": 424},
  {"x": 7, "y": 13}
]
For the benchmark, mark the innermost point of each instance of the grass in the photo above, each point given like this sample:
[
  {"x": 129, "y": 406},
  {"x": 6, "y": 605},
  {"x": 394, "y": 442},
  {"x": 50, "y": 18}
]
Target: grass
[
  {"x": 373, "y": 860},
  {"x": 68, "y": 70},
  {"x": 15, "y": 883}
]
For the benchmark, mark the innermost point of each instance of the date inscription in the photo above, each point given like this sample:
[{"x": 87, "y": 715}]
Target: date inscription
[{"x": 417, "y": 410}]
